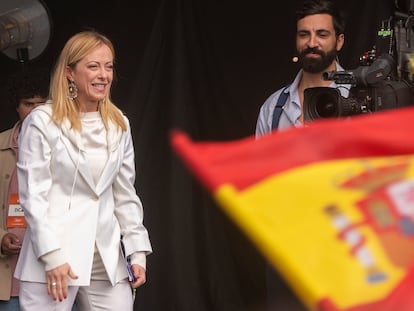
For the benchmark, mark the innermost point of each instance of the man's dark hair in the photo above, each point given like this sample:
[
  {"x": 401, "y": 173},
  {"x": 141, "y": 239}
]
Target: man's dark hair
[
  {"x": 27, "y": 83},
  {"x": 311, "y": 7}
]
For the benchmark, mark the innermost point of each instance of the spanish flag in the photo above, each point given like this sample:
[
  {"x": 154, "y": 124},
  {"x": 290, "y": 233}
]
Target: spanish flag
[{"x": 331, "y": 205}]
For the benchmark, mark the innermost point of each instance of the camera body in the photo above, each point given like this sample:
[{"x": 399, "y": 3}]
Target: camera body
[
  {"x": 326, "y": 102},
  {"x": 381, "y": 82}
]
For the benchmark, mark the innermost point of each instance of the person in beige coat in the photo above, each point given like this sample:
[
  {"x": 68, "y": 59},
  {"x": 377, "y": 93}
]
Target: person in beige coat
[
  {"x": 76, "y": 173},
  {"x": 26, "y": 89}
]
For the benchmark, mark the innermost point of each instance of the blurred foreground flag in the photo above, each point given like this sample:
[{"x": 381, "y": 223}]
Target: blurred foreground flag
[{"x": 331, "y": 205}]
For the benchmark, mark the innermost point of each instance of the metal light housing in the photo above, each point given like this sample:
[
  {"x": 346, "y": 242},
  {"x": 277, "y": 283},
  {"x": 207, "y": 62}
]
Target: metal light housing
[{"x": 25, "y": 29}]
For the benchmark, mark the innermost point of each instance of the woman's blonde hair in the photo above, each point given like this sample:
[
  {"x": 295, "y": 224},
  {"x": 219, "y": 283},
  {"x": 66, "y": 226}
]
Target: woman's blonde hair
[{"x": 74, "y": 50}]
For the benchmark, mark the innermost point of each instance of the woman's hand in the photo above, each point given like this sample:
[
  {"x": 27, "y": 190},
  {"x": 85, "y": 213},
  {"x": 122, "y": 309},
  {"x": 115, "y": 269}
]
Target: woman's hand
[
  {"x": 57, "y": 281},
  {"x": 139, "y": 273}
]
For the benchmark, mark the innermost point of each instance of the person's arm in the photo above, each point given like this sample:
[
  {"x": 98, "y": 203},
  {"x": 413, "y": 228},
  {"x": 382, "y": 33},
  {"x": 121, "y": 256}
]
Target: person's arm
[
  {"x": 264, "y": 120},
  {"x": 35, "y": 179},
  {"x": 128, "y": 206},
  {"x": 261, "y": 126}
]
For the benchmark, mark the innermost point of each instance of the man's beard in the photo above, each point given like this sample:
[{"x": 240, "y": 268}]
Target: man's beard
[{"x": 316, "y": 65}]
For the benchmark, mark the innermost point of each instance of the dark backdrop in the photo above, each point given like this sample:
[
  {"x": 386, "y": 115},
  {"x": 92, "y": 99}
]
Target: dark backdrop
[{"x": 204, "y": 67}]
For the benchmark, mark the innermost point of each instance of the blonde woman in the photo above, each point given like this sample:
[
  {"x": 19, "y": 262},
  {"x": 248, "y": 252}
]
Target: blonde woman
[{"x": 76, "y": 174}]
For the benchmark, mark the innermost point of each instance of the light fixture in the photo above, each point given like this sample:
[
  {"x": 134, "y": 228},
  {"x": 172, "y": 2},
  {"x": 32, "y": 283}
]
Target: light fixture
[{"x": 25, "y": 29}]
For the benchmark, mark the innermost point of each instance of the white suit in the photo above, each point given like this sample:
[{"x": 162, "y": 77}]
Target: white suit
[{"x": 67, "y": 210}]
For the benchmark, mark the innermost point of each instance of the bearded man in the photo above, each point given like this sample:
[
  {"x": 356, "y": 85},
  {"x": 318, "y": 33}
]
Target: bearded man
[{"x": 319, "y": 38}]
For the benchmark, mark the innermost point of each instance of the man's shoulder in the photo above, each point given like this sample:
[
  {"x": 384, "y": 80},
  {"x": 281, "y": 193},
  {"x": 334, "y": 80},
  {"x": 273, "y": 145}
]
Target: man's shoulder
[
  {"x": 6, "y": 132},
  {"x": 6, "y": 137},
  {"x": 275, "y": 95},
  {"x": 286, "y": 88}
]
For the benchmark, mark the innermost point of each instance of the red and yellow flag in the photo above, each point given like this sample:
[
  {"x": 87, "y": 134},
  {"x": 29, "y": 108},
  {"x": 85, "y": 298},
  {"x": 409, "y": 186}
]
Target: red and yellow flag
[{"x": 331, "y": 205}]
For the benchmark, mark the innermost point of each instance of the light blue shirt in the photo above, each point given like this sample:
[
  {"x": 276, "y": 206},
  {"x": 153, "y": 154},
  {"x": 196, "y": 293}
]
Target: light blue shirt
[{"x": 292, "y": 109}]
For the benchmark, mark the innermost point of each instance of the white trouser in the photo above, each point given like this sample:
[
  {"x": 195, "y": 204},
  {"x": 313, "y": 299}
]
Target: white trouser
[{"x": 100, "y": 295}]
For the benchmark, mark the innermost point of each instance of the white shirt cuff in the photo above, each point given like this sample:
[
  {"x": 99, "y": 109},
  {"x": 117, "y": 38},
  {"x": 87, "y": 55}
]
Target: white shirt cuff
[
  {"x": 53, "y": 259},
  {"x": 139, "y": 258}
]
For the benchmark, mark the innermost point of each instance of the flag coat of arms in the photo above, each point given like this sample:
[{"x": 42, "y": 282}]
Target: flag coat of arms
[{"x": 331, "y": 205}]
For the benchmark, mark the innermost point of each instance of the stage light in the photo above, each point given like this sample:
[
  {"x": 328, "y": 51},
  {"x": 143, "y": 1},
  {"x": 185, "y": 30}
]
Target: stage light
[{"x": 25, "y": 29}]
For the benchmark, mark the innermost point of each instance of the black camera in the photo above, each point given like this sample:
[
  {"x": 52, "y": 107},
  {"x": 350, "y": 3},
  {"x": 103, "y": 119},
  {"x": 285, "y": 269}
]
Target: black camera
[
  {"x": 380, "y": 83},
  {"x": 326, "y": 102}
]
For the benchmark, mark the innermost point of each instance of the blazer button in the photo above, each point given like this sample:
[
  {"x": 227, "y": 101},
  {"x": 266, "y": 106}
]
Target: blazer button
[{"x": 7, "y": 176}]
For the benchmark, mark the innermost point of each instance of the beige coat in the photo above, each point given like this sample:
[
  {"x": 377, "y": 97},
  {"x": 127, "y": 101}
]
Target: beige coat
[
  {"x": 8, "y": 163},
  {"x": 66, "y": 210}
]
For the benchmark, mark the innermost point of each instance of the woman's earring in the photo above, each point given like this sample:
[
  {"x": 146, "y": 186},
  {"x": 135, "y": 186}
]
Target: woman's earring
[{"x": 73, "y": 90}]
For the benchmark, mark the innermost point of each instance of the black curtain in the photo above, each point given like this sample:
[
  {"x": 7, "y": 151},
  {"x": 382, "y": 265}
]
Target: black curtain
[{"x": 204, "y": 67}]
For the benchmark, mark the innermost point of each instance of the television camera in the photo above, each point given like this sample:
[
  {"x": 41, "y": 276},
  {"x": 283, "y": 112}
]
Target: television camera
[{"x": 384, "y": 79}]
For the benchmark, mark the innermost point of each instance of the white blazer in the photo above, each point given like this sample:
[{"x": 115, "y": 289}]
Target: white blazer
[{"x": 64, "y": 207}]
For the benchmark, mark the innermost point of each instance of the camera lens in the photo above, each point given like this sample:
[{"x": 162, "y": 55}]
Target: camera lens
[
  {"x": 321, "y": 102},
  {"x": 326, "y": 105}
]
